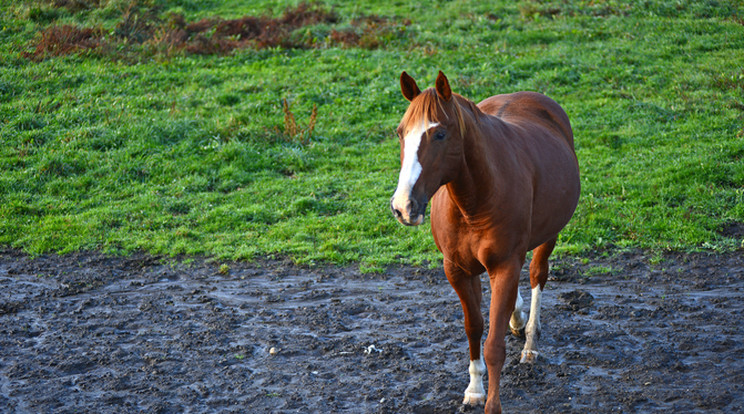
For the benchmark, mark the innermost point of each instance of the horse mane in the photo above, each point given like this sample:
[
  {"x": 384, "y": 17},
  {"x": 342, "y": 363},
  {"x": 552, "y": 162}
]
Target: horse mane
[{"x": 424, "y": 107}]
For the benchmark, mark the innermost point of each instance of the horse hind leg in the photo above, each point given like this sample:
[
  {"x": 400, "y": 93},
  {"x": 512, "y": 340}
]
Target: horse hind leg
[
  {"x": 518, "y": 318},
  {"x": 538, "y": 276}
]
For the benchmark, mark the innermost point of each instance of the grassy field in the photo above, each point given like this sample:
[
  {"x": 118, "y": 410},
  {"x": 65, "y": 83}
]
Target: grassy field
[{"x": 124, "y": 126}]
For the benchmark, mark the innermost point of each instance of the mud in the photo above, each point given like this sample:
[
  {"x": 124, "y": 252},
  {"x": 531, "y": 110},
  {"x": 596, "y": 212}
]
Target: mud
[{"x": 624, "y": 333}]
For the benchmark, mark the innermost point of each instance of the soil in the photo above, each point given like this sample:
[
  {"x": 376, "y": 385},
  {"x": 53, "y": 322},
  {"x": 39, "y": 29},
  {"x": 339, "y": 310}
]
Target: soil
[{"x": 622, "y": 333}]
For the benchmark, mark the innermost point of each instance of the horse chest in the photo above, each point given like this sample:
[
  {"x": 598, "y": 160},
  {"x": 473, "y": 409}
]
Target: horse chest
[{"x": 467, "y": 242}]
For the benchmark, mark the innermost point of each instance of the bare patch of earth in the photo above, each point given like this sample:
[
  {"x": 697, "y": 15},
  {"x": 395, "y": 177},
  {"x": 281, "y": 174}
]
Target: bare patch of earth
[{"x": 87, "y": 332}]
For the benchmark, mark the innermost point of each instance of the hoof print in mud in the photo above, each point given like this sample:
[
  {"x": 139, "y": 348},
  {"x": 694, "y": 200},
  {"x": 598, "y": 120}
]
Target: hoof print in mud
[{"x": 576, "y": 300}]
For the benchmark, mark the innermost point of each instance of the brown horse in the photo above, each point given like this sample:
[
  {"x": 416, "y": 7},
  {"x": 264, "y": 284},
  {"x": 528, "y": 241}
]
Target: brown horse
[{"x": 503, "y": 179}]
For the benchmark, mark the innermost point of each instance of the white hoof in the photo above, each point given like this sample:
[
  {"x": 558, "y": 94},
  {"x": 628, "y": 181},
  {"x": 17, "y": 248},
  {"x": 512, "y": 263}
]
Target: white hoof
[
  {"x": 474, "y": 398},
  {"x": 529, "y": 357}
]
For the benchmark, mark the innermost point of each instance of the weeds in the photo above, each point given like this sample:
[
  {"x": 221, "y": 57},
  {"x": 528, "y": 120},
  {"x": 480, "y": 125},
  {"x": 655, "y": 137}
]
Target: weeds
[
  {"x": 142, "y": 26},
  {"x": 369, "y": 32},
  {"x": 137, "y": 24},
  {"x": 65, "y": 40},
  {"x": 294, "y": 132},
  {"x": 75, "y": 6},
  {"x": 212, "y": 35}
]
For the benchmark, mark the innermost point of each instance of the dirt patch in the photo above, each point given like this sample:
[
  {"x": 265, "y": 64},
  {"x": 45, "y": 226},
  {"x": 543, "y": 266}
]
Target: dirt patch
[
  {"x": 733, "y": 230},
  {"x": 213, "y": 35},
  {"x": 91, "y": 333},
  {"x": 576, "y": 300}
]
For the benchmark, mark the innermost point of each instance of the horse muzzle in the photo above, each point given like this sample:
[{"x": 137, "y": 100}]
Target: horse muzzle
[{"x": 407, "y": 210}]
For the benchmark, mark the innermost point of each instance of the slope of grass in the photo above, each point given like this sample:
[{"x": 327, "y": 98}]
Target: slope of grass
[{"x": 132, "y": 146}]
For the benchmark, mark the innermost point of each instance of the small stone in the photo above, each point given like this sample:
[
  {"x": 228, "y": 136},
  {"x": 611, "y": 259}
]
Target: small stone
[{"x": 273, "y": 351}]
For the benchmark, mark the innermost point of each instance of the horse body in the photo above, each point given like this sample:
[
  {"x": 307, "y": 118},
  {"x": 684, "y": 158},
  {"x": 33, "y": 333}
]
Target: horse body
[
  {"x": 519, "y": 172},
  {"x": 503, "y": 179}
]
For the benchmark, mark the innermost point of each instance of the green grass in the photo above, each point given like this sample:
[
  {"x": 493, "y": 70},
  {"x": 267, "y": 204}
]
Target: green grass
[{"x": 133, "y": 148}]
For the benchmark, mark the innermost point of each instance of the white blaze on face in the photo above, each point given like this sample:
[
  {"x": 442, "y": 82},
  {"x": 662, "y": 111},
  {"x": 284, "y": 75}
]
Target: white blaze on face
[{"x": 410, "y": 169}]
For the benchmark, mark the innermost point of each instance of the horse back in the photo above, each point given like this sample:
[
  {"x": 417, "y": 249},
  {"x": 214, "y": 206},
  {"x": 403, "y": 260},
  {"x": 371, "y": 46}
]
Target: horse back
[{"x": 525, "y": 108}]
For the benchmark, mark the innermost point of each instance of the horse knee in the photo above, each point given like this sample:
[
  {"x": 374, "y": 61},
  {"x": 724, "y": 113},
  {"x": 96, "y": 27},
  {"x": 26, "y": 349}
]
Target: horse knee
[{"x": 494, "y": 353}]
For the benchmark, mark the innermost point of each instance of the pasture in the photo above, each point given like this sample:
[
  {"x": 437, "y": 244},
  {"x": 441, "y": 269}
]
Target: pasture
[
  {"x": 185, "y": 185},
  {"x": 127, "y": 137}
]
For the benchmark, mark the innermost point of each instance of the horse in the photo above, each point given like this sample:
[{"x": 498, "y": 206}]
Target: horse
[{"x": 503, "y": 180}]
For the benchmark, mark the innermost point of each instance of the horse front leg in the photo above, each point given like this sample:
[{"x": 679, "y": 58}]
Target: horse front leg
[
  {"x": 504, "y": 280},
  {"x": 468, "y": 288}
]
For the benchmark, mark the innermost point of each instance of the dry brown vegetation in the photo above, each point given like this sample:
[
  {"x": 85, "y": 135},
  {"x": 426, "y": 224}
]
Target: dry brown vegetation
[
  {"x": 66, "y": 39},
  {"x": 294, "y": 132},
  {"x": 75, "y": 6},
  {"x": 213, "y": 35}
]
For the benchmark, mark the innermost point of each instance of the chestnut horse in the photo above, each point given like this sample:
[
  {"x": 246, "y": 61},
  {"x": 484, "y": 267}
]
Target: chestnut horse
[{"x": 503, "y": 179}]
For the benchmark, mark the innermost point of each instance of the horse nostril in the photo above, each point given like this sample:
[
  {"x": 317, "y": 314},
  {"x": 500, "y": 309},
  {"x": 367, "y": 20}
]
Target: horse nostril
[
  {"x": 413, "y": 206},
  {"x": 395, "y": 211}
]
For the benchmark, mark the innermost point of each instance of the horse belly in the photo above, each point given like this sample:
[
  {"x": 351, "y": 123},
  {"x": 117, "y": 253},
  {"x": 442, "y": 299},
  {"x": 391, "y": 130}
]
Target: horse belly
[{"x": 555, "y": 197}]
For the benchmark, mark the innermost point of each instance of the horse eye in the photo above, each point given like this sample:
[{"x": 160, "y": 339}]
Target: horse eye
[{"x": 440, "y": 135}]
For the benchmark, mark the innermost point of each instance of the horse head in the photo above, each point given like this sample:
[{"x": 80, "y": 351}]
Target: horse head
[{"x": 431, "y": 146}]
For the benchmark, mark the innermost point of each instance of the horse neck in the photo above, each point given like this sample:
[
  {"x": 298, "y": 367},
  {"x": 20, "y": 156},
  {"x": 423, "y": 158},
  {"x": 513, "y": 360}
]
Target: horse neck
[{"x": 474, "y": 190}]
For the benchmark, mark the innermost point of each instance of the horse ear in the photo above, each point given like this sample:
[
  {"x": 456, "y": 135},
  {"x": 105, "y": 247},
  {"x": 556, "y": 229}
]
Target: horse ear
[
  {"x": 408, "y": 86},
  {"x": 443, "y": 88}
]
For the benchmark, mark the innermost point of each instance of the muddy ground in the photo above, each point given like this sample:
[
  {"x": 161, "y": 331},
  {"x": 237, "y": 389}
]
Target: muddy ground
[{"x": 625, "y": 333}]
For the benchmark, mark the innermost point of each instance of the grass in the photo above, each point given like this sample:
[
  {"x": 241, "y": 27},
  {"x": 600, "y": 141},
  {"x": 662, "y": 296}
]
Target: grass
[{"x": 131, "y": 145}]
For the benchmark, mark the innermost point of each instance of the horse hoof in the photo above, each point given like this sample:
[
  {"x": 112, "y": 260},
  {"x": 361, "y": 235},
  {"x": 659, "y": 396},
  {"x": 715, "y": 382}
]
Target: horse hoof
[
  {"x": 519, "y": 333},
  {"x": 529, "y": 357},
  {"x": 473, "y": 398}
]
